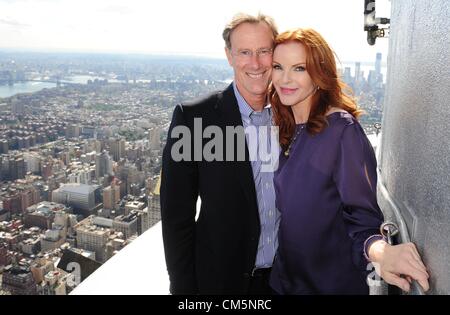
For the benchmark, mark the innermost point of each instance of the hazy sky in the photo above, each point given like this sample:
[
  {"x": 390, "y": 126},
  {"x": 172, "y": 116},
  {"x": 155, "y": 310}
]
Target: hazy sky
[{"x": 175, "y": 26}]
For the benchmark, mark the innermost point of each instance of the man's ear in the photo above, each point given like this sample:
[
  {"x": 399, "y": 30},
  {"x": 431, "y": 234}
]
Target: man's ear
[{"x": 229, "y": 56}]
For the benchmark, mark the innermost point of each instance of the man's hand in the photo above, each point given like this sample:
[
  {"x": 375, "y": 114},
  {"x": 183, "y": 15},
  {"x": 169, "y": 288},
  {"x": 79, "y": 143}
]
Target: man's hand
[{"x": 399, "y": 260}]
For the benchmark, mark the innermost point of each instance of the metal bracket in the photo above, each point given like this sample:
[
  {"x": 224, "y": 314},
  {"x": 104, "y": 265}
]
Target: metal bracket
[{"x": 371, "y": 23}]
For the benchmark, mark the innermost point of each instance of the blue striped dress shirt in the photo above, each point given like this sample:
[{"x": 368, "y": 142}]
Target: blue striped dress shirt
[{"x": 265, "y": 192}]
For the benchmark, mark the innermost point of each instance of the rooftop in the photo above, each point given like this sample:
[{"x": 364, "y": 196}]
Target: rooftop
[{"x": 78, "y": 188}]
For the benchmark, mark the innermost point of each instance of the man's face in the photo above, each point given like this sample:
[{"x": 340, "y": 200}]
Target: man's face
[{"x": 251, "y": 59}]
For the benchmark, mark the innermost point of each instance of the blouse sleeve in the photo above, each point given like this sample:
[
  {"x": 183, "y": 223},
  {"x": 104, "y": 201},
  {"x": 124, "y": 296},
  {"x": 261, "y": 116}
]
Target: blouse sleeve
[{"x": 356, "y": 180}]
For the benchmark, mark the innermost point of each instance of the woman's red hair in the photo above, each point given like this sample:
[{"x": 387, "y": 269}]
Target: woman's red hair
[{"x": 333, "y": 92}]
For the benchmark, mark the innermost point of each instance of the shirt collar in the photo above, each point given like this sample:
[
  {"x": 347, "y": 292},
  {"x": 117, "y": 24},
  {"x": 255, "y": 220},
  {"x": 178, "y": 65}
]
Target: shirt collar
[{"x": 244, "y": 108}]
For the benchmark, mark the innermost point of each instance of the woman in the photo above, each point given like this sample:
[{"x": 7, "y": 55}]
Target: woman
[{"x": 326, "y": 181}]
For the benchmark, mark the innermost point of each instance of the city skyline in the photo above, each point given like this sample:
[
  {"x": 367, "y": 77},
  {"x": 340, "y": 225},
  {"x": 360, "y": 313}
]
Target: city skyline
[{"x": 145, "y": 28}]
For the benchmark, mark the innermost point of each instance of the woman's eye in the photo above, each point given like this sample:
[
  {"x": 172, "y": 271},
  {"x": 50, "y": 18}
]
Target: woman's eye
[
  {"x": 300, "y": 68},
  {"x": 276, "y": 67}
]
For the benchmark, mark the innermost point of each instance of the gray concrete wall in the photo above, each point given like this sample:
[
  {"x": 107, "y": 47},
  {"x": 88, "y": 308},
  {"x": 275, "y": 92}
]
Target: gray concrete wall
[{"x": 414, "y": 158}]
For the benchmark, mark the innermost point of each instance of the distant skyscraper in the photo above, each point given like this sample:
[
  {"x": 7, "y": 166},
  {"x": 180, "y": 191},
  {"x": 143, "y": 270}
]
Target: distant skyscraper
[
  {"x": 13, "y": 203},
  {"x": 372, "y": 78},
  {"x": 4, "y": 146},
  {"x": 17, "y": 107},
  {"x": 14, "y": 167},
  {"x": 111, "y": 195},
  {"x": 73, "y": 131},
  {"x": 103, "y": 164},
  {"x": 347, "y": 76},
  {"x": 378, "y": 64},
  {"x": 358, "y": 72},
  {"x": 117, "y": 149},
  {"x": 108, "y": 198}
]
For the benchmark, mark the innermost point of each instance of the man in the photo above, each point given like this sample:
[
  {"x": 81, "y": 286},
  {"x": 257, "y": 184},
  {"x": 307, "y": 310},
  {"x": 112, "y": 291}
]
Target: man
[{"x": 231, "y": 247}]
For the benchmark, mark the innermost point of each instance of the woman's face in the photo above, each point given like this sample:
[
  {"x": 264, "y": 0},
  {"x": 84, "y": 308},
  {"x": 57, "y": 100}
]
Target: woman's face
[{"x": 289, "y": 76}]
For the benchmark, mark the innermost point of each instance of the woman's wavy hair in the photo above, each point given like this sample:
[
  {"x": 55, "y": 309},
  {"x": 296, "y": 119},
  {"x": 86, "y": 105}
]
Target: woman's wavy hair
[{"x": 321, "y": 66}]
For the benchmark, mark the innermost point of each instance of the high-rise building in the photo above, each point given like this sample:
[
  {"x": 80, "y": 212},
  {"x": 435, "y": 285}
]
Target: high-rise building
[
  {"x": 14, "y": 167},
  {"x": 378, "y": 64},
  {"x": 81, "y": 176},
  {"x": 33, "y": 162},
  {"x": 4, "y": 146},
  {"x": 13, "y": 202},
  {"x": 143, "y": 221},
  {"x": 29, "y": 196},
  {"x": 111, "y": 196},
  {"x": 127, "y": 224},
  {"x": 117, "y": 149},
  {"x": 103, "y": 164},
  {"x": 92, "y": 238},
  {"x": 73, "y": 131},
  {"x": 130, "y": 174},
  {"x": 154, "y": 206},
  {"x": 108, "y": 200},
  {"x": 347, "y": 76},
  {"x": 17, "y": 107},
  {"x": 19, "y": 197},
  {"x": 358, "y": 74},
  {"x": 4, "y": 168},
  {"x": 372, "y": 78},
  {"x": 115, "y": 189},
  {"x": 5, "y": 259},
  {"x": 46, "y": 170}
]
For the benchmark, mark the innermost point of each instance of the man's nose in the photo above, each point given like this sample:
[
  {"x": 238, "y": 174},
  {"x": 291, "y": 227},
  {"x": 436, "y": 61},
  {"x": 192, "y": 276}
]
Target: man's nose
[{"x": 255, "y": 62}]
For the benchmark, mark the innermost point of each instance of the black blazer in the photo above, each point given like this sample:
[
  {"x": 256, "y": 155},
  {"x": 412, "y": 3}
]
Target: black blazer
[{"x": 216, "y": 253}]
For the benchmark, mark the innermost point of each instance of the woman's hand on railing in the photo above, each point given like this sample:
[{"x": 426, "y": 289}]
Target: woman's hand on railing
[{"x": 400, "y": 260}]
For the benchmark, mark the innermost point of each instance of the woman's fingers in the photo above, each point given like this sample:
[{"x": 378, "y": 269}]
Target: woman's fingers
[
  {"x": 424, "y": 284},
  {"x": 398, "y": 281},
  {"x": 416, "y": 254},
  {"x": 415, "y": 264},
  {"x": 404, "y": 260},
  {"x": 413, "y": 270}
]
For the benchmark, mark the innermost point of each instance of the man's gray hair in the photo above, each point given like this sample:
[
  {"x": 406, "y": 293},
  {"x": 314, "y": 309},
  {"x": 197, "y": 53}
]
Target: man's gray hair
[{"x": 241, "y": 18}]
